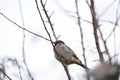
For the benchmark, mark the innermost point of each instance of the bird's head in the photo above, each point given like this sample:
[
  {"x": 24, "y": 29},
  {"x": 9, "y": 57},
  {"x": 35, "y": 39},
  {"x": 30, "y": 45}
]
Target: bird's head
[{"x": 58, "y": 42}]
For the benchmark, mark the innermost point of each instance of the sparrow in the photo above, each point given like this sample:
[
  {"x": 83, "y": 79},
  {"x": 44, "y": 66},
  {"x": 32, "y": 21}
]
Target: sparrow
[{"x": 66, "y": 55}]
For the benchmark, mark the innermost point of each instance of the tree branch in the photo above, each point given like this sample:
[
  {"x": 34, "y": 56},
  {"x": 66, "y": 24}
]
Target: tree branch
[
  {"x": 49, "y": 21},
  {"x": 23, "y": 28},
  {"x": 95, "y": 26},
  {"x": 23, "y": 43},
  {"x": 67, "y": 71},
  {"x": 81, "y": 34}
]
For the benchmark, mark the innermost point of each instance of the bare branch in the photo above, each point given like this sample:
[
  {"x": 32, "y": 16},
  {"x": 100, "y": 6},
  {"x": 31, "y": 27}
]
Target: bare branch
[
  {"x": 95, "y": 26},
  {"x": 51, "y": 14},
  {"x": 45, "y": 11},
  {"x": 81, "y": 34},
  {"x": 43, "y": 22},
  {"x": 18, "y": 69},
  {"x": 5, "y": 74},
  {"x": 111, "y": 22},
  {"x": 23, "y": 43},
  {"x": 105, "y": 45},
  {"x": 3, "y": 70},
  {"x": 23, "y": 28},
  {"x": 67, "y": 71},
  {"x": 116, "y": 21},
  {"x": 111, "y": 33},
  {"x": 45, "y": 2}
]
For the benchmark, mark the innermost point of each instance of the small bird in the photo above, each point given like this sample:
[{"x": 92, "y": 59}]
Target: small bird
[{"x": 66, "y": 55}]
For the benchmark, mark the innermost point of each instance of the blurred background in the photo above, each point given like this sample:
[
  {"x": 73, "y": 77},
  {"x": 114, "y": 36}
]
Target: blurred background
[{"x": 25, "y": 55}]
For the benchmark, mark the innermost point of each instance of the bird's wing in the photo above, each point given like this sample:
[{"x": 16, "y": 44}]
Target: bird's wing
[{"x": 70, "y": 51}]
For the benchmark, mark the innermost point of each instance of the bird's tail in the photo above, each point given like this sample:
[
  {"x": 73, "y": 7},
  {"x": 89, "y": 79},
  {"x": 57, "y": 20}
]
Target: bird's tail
[
  {"x": 77, "y": 61},
  {"x": 84, "y": 66}
]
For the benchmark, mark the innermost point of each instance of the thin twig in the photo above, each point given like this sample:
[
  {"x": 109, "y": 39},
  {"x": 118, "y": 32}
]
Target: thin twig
[
  {"x": 81, "y": 34},
  {"x": 44, "y": 22},
  {"x": 5, "y": 74},
  {"x": 111, "y": 22},
  {"x": 111, "y": 32},
  {"x": 105, "y": 45},
  {"x": 48, "y": 17},
  {"x": 95, "y": 26},
  {"x": 3, "y": 70},
  {"x": 23, "y": 43},
  {"x": 67, "y": 71},
  {"x": 51, "y": 15},
  {"x": 45, "y": 2},
  {"x": 18, "y": 69},
  {"x": 116, "y": 21},
  {"x": 23, "y": 28}
]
